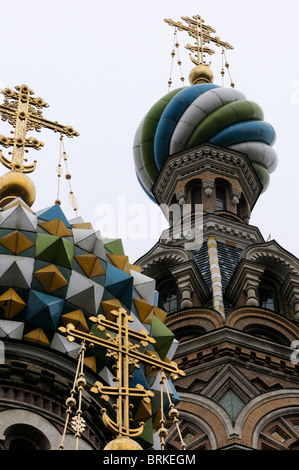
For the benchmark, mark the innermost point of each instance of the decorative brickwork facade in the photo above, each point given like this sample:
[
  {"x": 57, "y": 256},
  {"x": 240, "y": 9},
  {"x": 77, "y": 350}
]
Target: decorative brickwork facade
[{"x": 238, "y": 331}]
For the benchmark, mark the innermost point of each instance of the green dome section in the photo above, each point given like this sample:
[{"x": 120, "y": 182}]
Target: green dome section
[
  {"x": 227, "y": 115},
  {"x": 198, "y": 114},
  {"x": 263, "y": 175},
  {"x": 54, "y": 272},
  {"x": 148, "y": 130}
]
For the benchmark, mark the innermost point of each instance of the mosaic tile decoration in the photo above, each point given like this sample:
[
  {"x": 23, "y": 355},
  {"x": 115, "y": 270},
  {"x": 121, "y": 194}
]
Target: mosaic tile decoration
[
  {"x": 229, "y": 258},
  {"x": 54, "y": 271}
]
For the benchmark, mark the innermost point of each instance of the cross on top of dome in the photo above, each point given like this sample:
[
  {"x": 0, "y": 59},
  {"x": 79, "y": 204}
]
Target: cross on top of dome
[{"x": 202, "y": 34}]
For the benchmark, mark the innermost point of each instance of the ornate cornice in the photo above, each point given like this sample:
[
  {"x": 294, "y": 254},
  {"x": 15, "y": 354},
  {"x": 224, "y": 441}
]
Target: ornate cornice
[
  {"x": 225, "y": 162},
  {"x": 160, "y": 254},
  {"x": 270, "y": 253}
]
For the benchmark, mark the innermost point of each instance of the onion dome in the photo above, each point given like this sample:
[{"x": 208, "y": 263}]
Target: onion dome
[
  {"x": 15, "y": 184},
  {"x": 197, "y": 114},
  {"x": 54, "y": 272}
]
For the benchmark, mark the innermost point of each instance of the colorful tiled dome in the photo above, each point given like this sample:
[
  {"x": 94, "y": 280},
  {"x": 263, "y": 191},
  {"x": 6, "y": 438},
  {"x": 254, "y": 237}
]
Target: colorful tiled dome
[
  {"x": 54, "y": 272},
  {"x": 197, "y": 114}
]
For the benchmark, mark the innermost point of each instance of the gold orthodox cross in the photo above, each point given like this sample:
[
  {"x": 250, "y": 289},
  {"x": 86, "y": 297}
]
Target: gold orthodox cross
[
  {"x": 126, "y": 354},
  {"x": 196, "y": 28},
  {"x": 19, "y": 110}
]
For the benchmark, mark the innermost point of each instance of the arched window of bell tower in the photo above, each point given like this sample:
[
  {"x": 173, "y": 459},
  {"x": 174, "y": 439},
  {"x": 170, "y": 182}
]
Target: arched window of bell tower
[
  {"x": 268, "y": 295},
  {"x": 221, "y": 194},
  {"x": 196, "y": 196},
  {"x": 168, "y": 297}
]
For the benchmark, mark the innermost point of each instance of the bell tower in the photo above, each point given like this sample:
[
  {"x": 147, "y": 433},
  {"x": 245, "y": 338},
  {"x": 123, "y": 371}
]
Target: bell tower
[{"x": 204, "y": 153}]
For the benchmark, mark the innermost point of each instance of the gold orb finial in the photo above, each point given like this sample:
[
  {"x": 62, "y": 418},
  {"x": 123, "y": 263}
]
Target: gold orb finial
[
  {"x": 15, "y": 185},
  {"x": 201, "y": 74},
  {"x": 123, "y": 443}
]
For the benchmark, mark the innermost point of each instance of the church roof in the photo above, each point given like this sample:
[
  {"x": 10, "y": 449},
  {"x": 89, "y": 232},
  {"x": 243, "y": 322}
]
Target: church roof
[
  {"x": 54, "y": 272},
  {"x": 202, "y": 113}
]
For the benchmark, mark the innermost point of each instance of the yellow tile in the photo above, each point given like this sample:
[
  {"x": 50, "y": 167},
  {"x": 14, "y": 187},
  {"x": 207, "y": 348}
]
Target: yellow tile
[
  {"x": 145, "y": 310},
  {"x": 135, "y": 268},
  {"x": 56, "y": 227},
  {"x": 50, "y": 278},
  {"x": 90, "y": 265},
  {"x": 108, "y": 306},
  {"x": 120, "y": 262},
  {"x": 37, "y": 336},
  {"x": 11, "y": 303},
  {"x": 16, "y": 242},
  {"x": 77, "y": 318},
  {"x": 91, "y": 363},
  {"x": 83, "y": 225}
]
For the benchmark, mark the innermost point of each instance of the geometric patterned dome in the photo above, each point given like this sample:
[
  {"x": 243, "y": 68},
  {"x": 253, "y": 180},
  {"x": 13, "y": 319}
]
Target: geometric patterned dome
[
  {"x": 54, "y": 272},
  {"x": 197, "y": 114}
]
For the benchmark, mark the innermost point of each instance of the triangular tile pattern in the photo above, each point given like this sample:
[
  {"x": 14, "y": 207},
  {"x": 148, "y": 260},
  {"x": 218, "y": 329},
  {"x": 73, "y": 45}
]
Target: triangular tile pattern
[
  {"x": 54, "y": 249},
  {"x": 90, "y": 241},
  {"x": 78, "y": 222},
  {"x": 50, "y": 278},
  {"x": 60, "y": 343},
  {"x": 16, "y": 271},
  {"x": 77, "y": 318},
  {"x": 84, "y": 293},
  {"x": 145, "y": 310},
  {"x": 107, "y": 376},
  {"x": 18, "y": 218},
  {"x": 52, "y": 213},
  {"x": 44, "y": 310},
  {"x": 108, "y": 306},
  {"x": 91, "y": 362},
  {"x": 145, "y": 286},
  {"x": 146, "y": 439},
  {"x": 84, "y": 238},
  {"x": 11, "y": 303},
  {"x": 161, "y": 314},
  {"x": 163, "y": 336},
  {"x": 121, "y": 262},
  {"x": 54, "y": 272},
  {"x": 16, "y": 242},
  {"x": 119, "y": 284},
  {"x": 114, "y": 246},
  {"x": 90, "y": 264},
  {"x": 18, "y": 202},
  {"x": 56, "y": 227},
  {"x": 172, "y": 350},
  {"x": 11, "y": 329},
  {"x": 143, "y": 412},
  {"x": 37, "y": 336},
  {"x": 138, "y": 377}
]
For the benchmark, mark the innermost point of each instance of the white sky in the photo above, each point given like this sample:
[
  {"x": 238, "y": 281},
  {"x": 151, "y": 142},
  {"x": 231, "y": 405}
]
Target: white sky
[{"x": 102, "y": 65}]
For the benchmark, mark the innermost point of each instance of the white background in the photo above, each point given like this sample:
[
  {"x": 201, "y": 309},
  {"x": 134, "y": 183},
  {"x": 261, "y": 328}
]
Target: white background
[{"x": 102, "y": 65}]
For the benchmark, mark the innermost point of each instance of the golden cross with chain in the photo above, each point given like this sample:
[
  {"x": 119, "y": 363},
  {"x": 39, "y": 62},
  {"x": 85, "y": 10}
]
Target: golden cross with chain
[
  {"x": 202, "y": 34},
  {"x": 19, "y": 110},
  {"x": 126, "y": 354}
]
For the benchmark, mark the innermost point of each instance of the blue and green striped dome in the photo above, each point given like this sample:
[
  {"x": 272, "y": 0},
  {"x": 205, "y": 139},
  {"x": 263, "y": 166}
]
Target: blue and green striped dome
[{"x": 198, "y": 114}]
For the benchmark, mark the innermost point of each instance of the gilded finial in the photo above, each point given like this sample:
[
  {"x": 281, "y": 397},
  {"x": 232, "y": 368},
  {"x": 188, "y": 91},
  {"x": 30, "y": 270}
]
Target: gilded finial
[
  {"x": 202, "y": 34},
  {"x": 126, "y": 355}
]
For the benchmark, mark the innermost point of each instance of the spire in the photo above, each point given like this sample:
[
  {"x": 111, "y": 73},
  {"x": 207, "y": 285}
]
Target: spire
[{"x": 196, "y": 28}]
